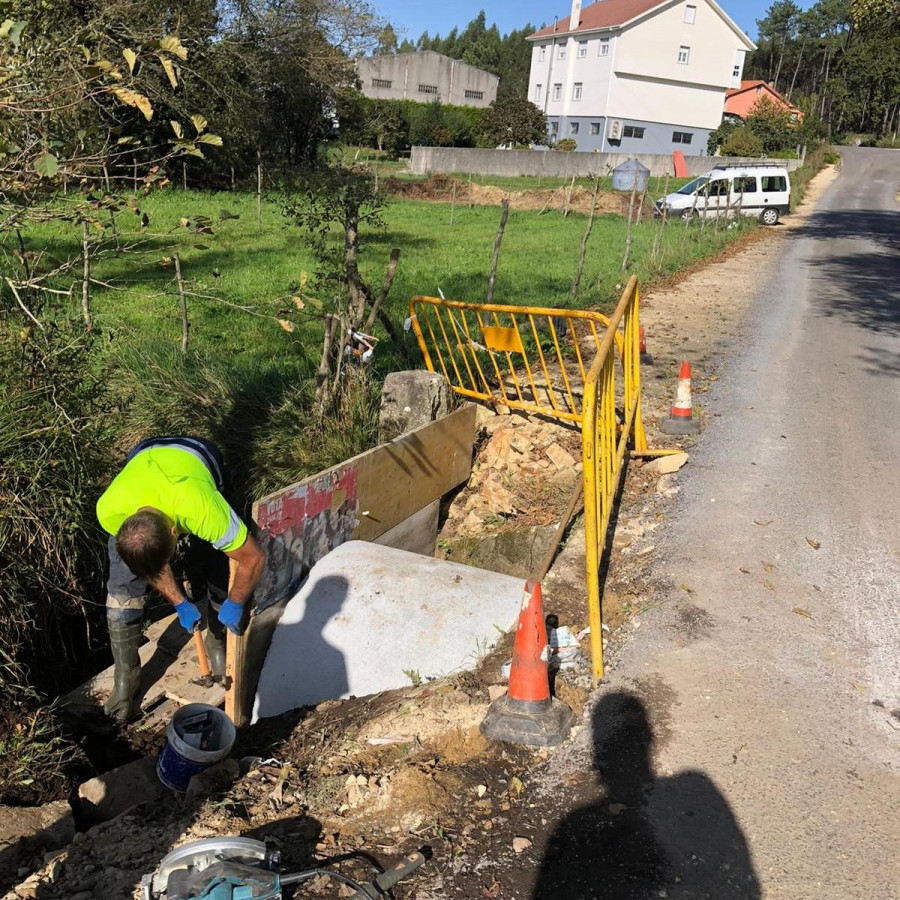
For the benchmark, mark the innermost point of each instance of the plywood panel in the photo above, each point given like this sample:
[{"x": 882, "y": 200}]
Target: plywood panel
[{"x": 361, "y": 498}]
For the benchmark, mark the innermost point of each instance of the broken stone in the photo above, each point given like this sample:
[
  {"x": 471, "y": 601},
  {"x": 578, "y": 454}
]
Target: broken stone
[
  {"x": 665, "y": 486},
  {"x": 410, "y": 400},
  {"x": 106, "y": 796},
  {"x": 497, "y": 498},
  {"x": 520, "y": 444},
  {"x": 513, "y": 551},
  {"x": 520, "y": 844},
  {"x": 481, "y": 790},
  {"x": 213, "y": 780},
  {"x": 560, "y": 458},
  {"x": 495, "y": 691},
  {"x": 497, "y": 451},
  {"x": 666, "y": 465}
]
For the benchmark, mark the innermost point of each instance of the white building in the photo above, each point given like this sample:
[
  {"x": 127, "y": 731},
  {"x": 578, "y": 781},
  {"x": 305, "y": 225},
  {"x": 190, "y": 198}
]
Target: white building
[{"x": 637, "y": 76}]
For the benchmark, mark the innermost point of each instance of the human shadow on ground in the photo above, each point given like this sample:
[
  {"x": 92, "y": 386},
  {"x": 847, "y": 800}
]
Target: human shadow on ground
[
  {"x": 302, "y": 667},
  {"x": 646, "y": 836}
]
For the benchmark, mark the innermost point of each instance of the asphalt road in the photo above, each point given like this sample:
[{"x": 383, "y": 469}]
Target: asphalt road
[{"x": 766, "y": 690}]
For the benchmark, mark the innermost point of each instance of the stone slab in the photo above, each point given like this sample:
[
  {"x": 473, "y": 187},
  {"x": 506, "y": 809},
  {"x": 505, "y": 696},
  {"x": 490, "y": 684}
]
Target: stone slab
[
  {"x": 114, "y": 792},
  {"x": 367, "y": 613}
]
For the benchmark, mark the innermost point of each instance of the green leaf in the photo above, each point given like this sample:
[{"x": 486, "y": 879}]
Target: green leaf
[
  {"x": 315, "y": 303},
  {"x": 172, "y": 45},
  {"x": 130, "y": 58},
  {"x": 304, "y": 279},
  {"x": 176, "y": 127},
  {"x": 199, "y": 123},
  {"x": 212, "y": 139},
  {"x": 47, "y": 165},
  {"x": 12, "y": 31}
]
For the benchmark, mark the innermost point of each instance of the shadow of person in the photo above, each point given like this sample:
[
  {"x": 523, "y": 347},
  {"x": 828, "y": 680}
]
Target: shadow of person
[
  {"x": 302, "y": 666},
  {"x": 645, "y": 837}
]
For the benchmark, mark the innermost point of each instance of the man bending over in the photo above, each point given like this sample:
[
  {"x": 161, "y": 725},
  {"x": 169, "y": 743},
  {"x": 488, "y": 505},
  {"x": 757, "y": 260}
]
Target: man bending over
[{"x": 169, "y": 496}]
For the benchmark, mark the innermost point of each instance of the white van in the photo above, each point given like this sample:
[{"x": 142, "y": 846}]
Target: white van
[{"x": 763, "y": 191}]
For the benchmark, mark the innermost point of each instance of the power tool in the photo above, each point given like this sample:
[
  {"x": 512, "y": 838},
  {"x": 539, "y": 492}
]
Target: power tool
[{"x": 236, "y": 868}]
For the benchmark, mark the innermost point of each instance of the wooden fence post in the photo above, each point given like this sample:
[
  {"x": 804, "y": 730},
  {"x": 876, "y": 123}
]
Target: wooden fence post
[
  {"x": 504, "y": 213},
  {"x": 86, "y": 278},
  {"x": 185, "y": 325}
]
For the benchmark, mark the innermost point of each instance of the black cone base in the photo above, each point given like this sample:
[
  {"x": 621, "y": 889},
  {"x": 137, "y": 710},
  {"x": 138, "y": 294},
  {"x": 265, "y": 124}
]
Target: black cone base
[
  {"x": 678, "y": 425},
  {"x": 542, "y": 723}
]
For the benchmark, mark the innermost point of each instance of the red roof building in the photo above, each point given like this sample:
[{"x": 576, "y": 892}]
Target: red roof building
[{"x": 740, "y": 101}]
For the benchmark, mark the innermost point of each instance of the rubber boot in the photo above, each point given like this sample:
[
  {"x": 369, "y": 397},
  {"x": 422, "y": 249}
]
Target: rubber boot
[
  {"x": 125, "y": 639},
  {"x": 215, "y": 641}
]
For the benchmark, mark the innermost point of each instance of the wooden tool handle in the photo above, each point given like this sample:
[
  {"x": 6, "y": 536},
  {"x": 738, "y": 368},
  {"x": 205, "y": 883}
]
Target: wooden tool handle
[{"x": 202, "y": 658}]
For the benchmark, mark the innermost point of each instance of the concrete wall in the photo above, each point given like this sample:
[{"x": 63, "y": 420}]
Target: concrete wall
[
  {"x": 427, "y": 160},
  {"x": 400, "y": 76}
]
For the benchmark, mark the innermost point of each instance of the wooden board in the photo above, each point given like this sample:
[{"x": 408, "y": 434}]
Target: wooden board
[{"x": 361, "y": 498}]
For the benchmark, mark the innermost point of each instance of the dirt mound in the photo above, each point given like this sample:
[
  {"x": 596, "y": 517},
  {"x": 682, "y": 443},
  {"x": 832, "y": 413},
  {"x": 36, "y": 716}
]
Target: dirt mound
[{"x": 443, "y": 188}]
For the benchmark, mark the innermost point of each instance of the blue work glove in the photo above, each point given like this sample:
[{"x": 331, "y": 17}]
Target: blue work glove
[
  {"x": 188, "y": 615},
  {"x": 230, "y": 615}
]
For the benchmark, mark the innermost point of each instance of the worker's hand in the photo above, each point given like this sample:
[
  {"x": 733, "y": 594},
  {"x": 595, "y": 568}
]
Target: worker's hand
[
  {"x": 230, "y": 615},
  {"x": 188, "y": 615}
]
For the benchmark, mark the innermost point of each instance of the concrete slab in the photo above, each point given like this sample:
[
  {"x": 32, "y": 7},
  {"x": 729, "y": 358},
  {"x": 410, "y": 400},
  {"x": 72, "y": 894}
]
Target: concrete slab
[
  {"x": 418, "y": 533},
  {"x": 367, "y": 614}
]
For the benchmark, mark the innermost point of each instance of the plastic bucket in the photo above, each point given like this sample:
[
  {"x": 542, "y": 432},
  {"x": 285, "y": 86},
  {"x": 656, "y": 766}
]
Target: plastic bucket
[{"x": 197, "y": 737}]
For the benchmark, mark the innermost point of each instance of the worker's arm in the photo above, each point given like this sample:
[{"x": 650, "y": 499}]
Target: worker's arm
[
  {"x": 246, "y": 567},
  {"x": 165, "y": 583}
]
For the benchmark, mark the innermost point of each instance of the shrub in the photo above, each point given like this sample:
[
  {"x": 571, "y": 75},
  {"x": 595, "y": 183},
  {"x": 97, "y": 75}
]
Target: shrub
[
  {"x": 567, "y": 145},
  {"x": 510, "y": 121},
  {"x": 772, "y": 125},
  {"x": 55, "y": 457},
  {"x": 789, "y": 153},
  {"x": 741, "y": 142},
  {"x": 832, "y": 157}
]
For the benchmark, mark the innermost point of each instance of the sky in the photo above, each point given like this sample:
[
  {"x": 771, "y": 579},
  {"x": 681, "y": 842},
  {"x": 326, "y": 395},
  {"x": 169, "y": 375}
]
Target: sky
[{"x": 412, "y": 17}]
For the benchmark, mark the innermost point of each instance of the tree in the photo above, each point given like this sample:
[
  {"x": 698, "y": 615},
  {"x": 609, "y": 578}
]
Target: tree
[
  {"x": 741, "y": 142},
  {"x": 772, "y": 126},
  {"x": 510, "y": 121},
  {"x": 387, "y": 41}
]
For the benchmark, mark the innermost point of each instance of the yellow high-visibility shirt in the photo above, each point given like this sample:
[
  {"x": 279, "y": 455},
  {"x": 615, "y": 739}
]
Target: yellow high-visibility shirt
[{"x": 177, "y": 483}]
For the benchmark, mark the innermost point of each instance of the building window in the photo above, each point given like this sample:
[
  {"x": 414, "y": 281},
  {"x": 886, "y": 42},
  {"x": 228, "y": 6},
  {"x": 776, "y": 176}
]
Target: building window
[
  {"x": 474, "y": 95},
  {"x": 736, "y": 73},
  {"x": 557, "y": 91},
  {"x": 554, "y": 128},
  {"x": 542, "y": 52},
  {"x": 582, "y": 49},
  {"x": 538, "y": 92},
  {"x": 595, "y": 128},
  {"x": 381, "y": 82},
  {"x": 562, "y": 51},
  {"x": 690, "y": 14},
  {"x": 633, "y": 131},
  {"x": 604, "y": 46},
  {"x": 573, "y": 127},
  {"x": 682, "y": 137},
  {"x": 684, "y": 55},
  {"x": 428, "y": 88},
  {"x": 576, "y": 90}
]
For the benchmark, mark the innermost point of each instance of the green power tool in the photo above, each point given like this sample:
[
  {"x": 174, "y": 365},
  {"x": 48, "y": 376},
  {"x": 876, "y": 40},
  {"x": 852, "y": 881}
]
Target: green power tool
[{"x": 236, "y": 868}]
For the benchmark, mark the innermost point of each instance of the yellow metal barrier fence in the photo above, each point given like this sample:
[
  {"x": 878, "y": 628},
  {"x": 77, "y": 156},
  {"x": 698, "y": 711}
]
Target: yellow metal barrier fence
[
  {"x": 484, "y": 354},
  {"x": 604, "y": 443},
  {"x": 526, "y": 357}
]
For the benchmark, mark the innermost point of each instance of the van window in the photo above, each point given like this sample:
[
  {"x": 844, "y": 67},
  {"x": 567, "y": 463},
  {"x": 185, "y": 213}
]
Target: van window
[
  {"x": 719, "y": 188},
  {"x": 745, "y": 184},
  {"x": 694, "y": 185},
  {"x": 774, "y": 183}
]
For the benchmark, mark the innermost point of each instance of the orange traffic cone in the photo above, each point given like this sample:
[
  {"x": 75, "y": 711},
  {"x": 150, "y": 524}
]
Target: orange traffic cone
[
  {"x": 527, "y": 714},
  {"x": 646, "y": 358},
  {"x": 682, "y": 420}
]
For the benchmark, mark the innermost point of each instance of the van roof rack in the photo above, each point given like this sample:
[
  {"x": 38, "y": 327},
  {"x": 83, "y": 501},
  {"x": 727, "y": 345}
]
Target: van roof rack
[{"x": 767, "y": 165}]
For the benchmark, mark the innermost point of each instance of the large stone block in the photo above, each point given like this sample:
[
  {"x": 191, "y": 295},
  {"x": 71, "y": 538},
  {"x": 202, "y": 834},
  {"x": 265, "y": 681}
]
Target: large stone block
[
  {"x": 412, "y": 399},
  {"x": 114, "y": 792}
]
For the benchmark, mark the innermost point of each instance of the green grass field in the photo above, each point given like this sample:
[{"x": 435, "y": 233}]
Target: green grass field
[{"x": 252, "y": 272}]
